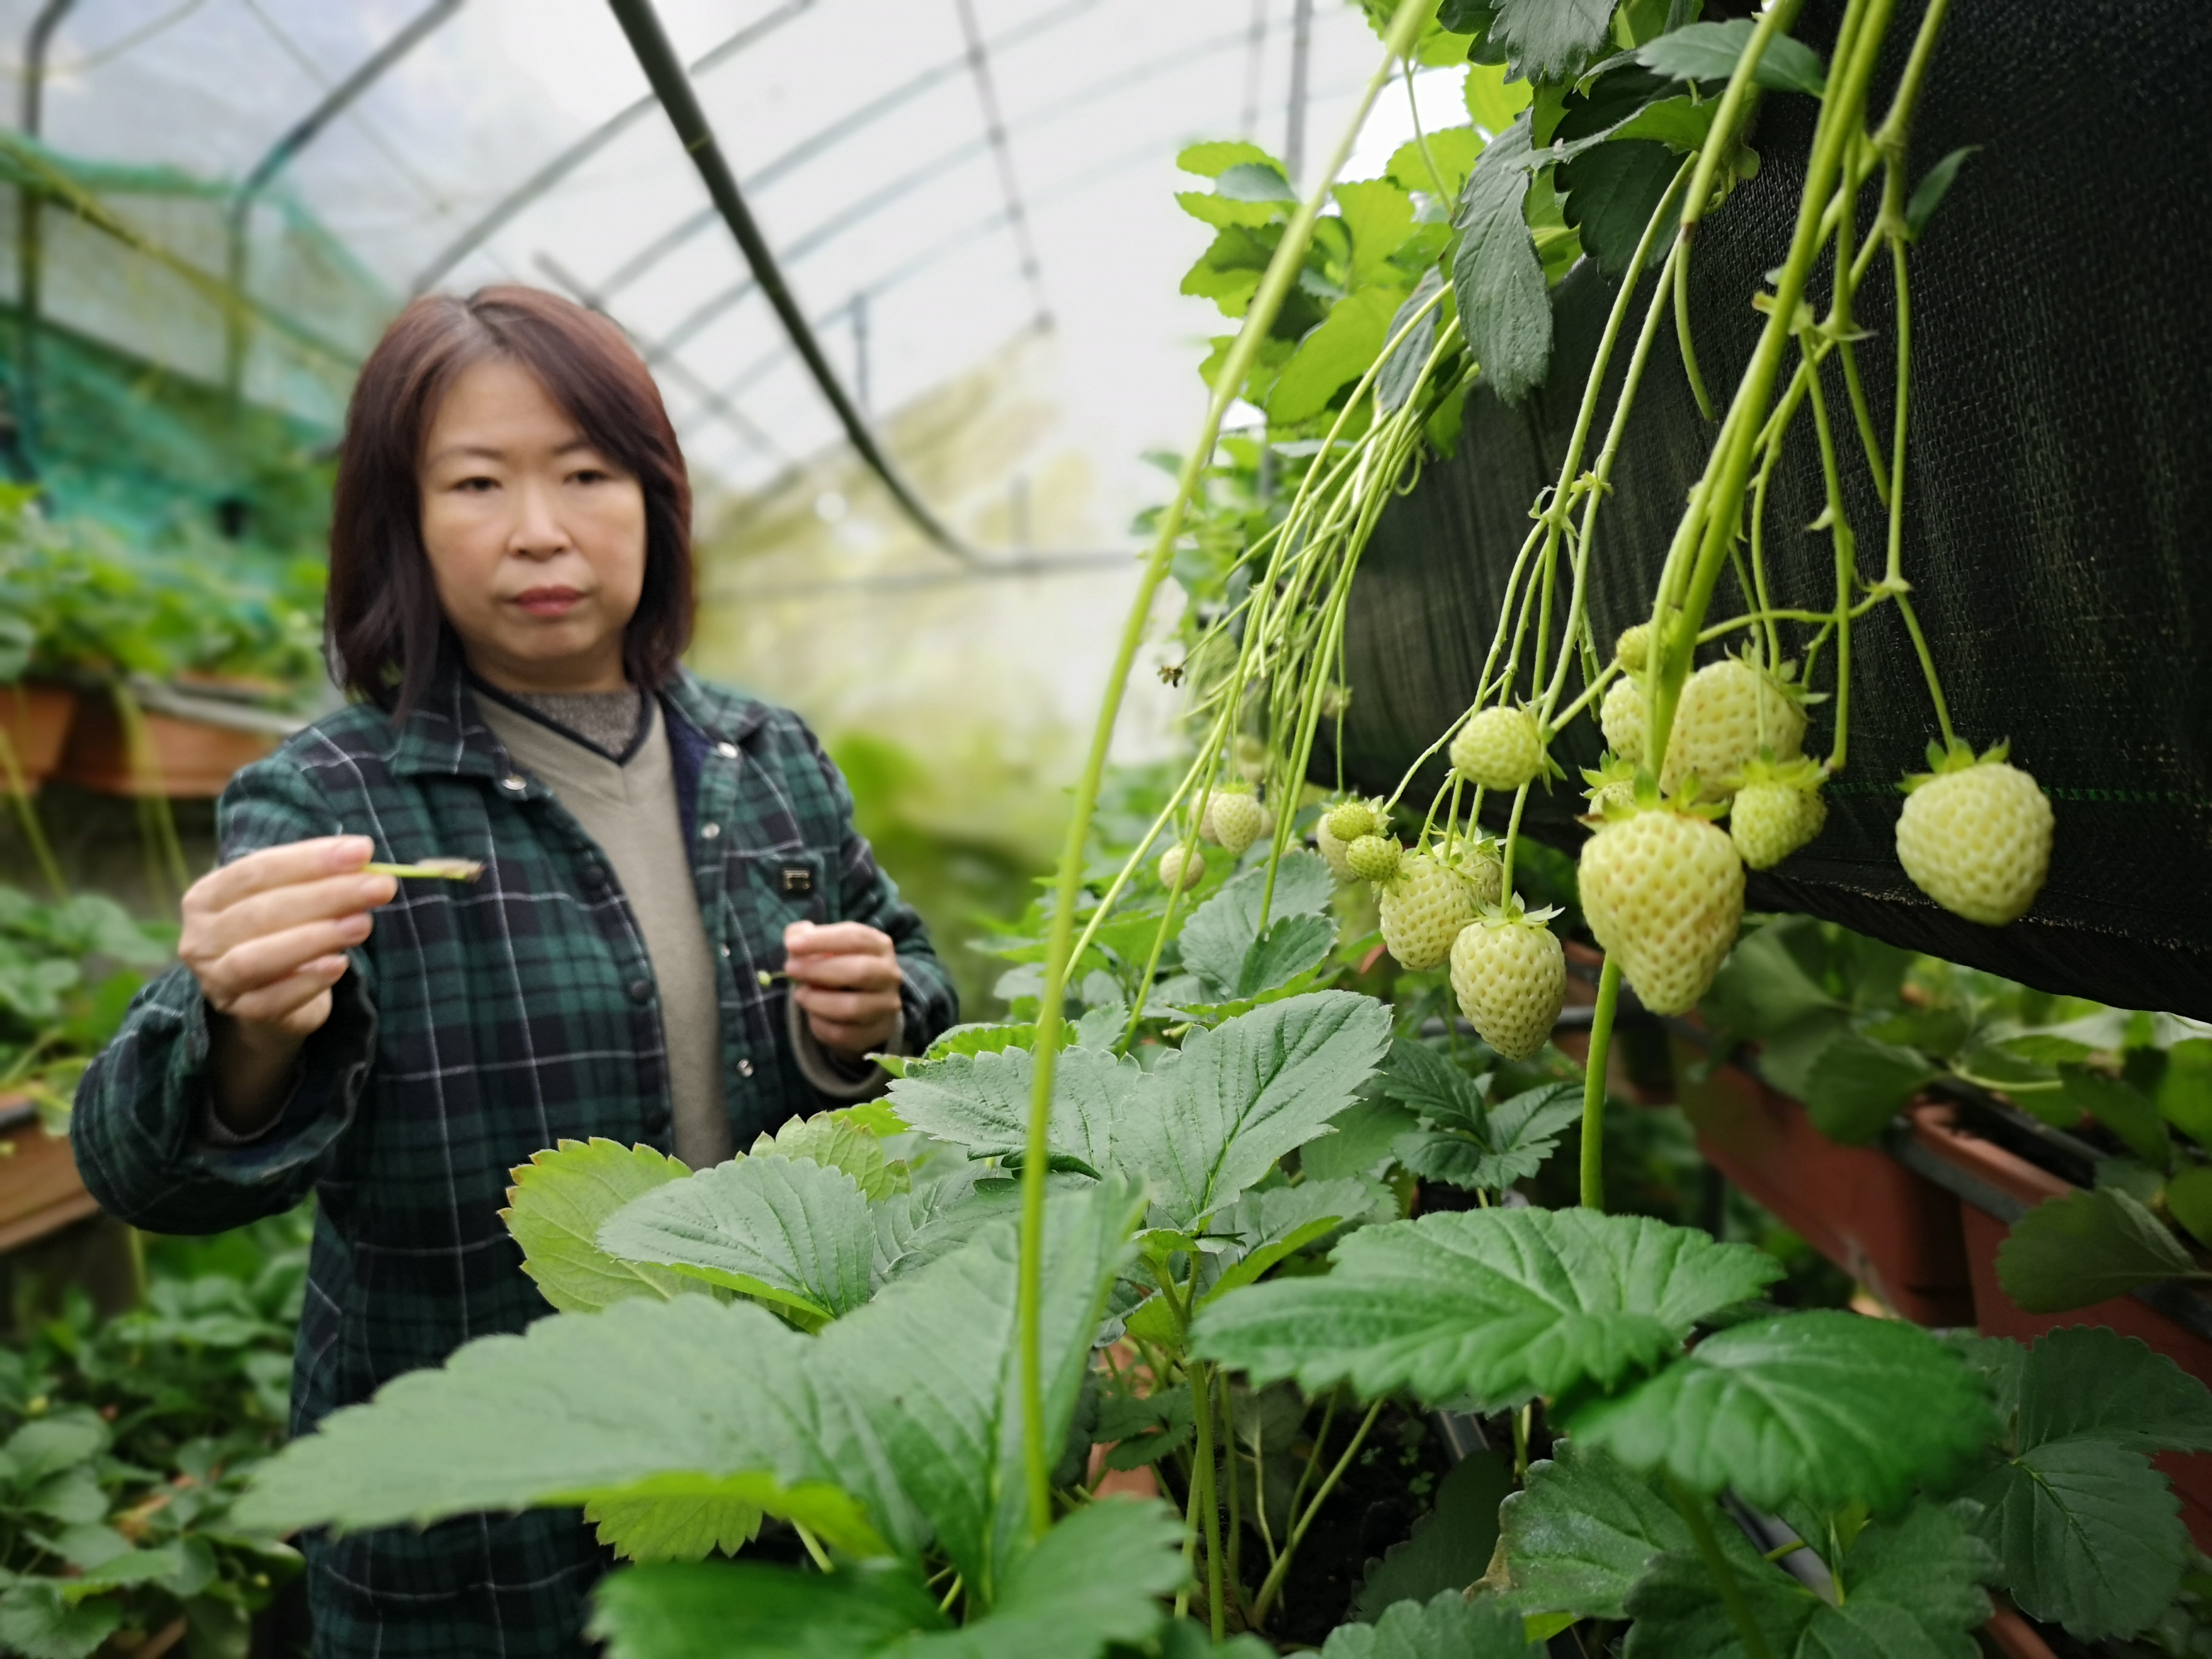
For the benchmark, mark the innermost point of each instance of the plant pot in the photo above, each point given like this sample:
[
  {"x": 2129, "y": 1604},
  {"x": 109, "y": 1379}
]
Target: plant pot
[
  {"x": 35, "y": 719},
  {"x": 186, "y": 759},
  {"x": 1995, "y": 1187},
  {"x": 1893, "y": 1230},
  {"x": 40, "y": 1190}
]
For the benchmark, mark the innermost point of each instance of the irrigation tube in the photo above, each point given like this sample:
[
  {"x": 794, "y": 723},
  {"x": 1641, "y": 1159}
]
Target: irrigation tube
[{"x": 672, "y": 86}]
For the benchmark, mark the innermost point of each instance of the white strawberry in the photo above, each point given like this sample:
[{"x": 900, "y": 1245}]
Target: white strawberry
[
  {"x": 1632, "y": 650},
  {"x": 1374, "y": 858},
  {"x": 1511, "y": 977},
  {"x": 1177, "y": 870},
  {"x": 1975, "y": 835},
  {"x": 1777, "y": 810},
  {"x": 1234, "y": 819},
  {"x": 1498, "y": 749},
  {"x": 1728, "y": 712},
  {"x": 1662, "y": 890},
  {"x": 1423, "y": 907},
  {"x": 1623, "y": 719},
  {"x": 1251, "y": 758}
]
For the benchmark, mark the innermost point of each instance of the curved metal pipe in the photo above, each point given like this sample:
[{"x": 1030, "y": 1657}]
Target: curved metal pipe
[{"x": 664, "y": 70}]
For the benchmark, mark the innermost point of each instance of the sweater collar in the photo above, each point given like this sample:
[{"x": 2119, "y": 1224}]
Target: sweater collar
[{"x": 444, "y": 734}]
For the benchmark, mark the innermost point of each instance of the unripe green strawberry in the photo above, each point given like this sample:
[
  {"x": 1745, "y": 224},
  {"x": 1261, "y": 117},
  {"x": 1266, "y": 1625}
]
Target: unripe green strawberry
[
  {"x": 1349, "y": 821},
  {"x": 1331, "y": 849},
  {"x": 1374, "y": 858},
  {"x": 1975, "y": 836},
  {"x": 1176, "y": 870},
  {"x": 1623, "y": 719},
  {"x": 1424, "y": 907},
  {"x": 1498, "y": 749},
  {"x": 1511, "y": 977},
  {"x": 1663, "y": 891},
  {"x": 1776, "y": 810},
  {"x": 1251, "y": 758},
  {"x": 1728, "y": 712},
  {"x": 1234, "y": 819},
  {"x": 1632, "y": 650}
]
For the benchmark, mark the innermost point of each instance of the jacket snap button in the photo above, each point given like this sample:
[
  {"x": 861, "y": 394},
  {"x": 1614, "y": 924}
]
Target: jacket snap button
[
  {"x": 745, "y": 1068},
  {"x": 726, "y": 750},
  {"x": 641, "y": 990},
  {"x": 708, "y": 831},
  {"x": 514, "y": 781}
]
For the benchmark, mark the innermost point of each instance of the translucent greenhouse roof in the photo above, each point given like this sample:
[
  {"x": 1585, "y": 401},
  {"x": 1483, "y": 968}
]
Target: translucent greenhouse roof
[{"x": 939, "y": 178}]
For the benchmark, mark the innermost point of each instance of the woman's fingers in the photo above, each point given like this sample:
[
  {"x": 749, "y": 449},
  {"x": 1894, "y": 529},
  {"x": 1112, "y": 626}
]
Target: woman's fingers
[
  {"x": 856, "y": 1008},
  {"x": 297, "y": 1004},
  {"x": 277, "y": 866},
  {"x": 271, "y": 911},
  {"x": 273, "y": 958},
  {"x": 847, "y": 973}
]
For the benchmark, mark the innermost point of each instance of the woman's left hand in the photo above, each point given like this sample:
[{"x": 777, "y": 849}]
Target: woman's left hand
[{"x": 847, "y": 977}]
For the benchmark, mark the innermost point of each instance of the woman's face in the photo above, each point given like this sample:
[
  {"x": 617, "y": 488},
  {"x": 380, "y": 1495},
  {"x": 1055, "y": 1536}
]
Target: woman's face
[{"x": 536, "y": 541}]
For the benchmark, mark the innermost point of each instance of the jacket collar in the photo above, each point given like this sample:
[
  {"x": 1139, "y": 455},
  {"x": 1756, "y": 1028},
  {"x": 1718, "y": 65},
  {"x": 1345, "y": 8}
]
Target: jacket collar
[{"x": 444, "y": 734}]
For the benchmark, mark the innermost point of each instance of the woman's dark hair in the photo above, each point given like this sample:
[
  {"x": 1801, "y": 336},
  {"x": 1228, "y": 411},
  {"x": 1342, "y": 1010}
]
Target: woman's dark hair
[{"x": 388, "y": 638}]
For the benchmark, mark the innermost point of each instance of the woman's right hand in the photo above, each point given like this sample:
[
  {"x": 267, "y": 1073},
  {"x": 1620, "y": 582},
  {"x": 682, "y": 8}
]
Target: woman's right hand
[{"x": 265, "y": 936}]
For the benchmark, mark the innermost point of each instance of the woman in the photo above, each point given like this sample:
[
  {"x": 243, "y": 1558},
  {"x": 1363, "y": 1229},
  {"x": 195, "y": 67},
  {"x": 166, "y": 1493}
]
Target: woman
[{"x": 511, "y": 587}]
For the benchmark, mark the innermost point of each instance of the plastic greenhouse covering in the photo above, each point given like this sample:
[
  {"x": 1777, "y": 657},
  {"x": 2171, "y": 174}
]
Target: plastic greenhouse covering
[{"x": 972, "y": 200}]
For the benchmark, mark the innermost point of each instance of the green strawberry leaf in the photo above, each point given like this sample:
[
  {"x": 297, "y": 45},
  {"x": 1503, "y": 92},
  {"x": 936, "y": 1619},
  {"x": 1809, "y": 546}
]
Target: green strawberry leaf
[
  {"x": 1910, "y": 1591},
  {"x": 1805, "y": 1406},
  {"x": 644, "y": 1528},
  {"x": 1497, "y": 1303},
  {"x": 1522, "y": 1132},
  {"x": 1141, "y": 1429},
  {"x": 835, "y": 1141},
  {"x": 1504, "y": 305},
  {"x": 36, "y": 1621},
  {"x": 1396, "y": 381},
  {"x": 560, "y": 1200},
  {"x": 1430, "y": 1086},
  {"x": 1550, "y": 39},
  {"x": 788, "y": 1231},
  {"x": 1449, "y": 1548},
  {"x": 1709, "y": 53},
  {"x": 1854, "y": 1085},
  {"x": 2088, "y": 1382},
  {"x": 1336, "y": 353},
  {"x": 1583, "y": 1531},
  {"x": 981, "y": 1102},
  {"x": 1611, "y": 193},
  {"x": 879, "y": 1434},
  {"x": 1364, "y": 1133},
  {"x": 1449, "y": 1627},
  {"x": 1220, "y": 1110},
  {"x": 1219, "y": 942},
  {"x": 1091, "y": 1581},
  {"x": 1453, "y": 151},
  {"x": 2088, "y": 1534},
  {"x": 1935, "y": 185},
  {"x": 2084, "y": 1248}
]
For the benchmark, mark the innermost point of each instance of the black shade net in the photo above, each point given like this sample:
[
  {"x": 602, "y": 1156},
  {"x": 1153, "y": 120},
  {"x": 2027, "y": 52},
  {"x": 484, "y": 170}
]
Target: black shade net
[{"x": 2058, "y": 522}]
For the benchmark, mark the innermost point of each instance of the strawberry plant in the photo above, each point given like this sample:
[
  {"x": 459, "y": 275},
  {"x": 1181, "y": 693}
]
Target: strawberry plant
[
  {"x": 124, "y": 1445},
  {"x": 1166, "y": 1207}
]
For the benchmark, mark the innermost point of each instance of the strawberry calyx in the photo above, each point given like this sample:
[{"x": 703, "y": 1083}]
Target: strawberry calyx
[{"x": 1958, "y": 757}]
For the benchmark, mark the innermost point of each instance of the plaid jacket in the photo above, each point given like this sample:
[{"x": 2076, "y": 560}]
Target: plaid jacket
[{"x": 480, "y": 1022}]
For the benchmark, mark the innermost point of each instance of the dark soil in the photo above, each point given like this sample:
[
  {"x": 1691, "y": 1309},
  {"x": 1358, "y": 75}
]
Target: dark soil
[{"x": 1384, "y": 1491}]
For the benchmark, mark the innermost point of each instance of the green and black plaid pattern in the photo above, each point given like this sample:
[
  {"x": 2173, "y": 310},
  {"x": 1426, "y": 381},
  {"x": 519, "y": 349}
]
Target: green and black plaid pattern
[{"x": 481, "y": 1021}]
